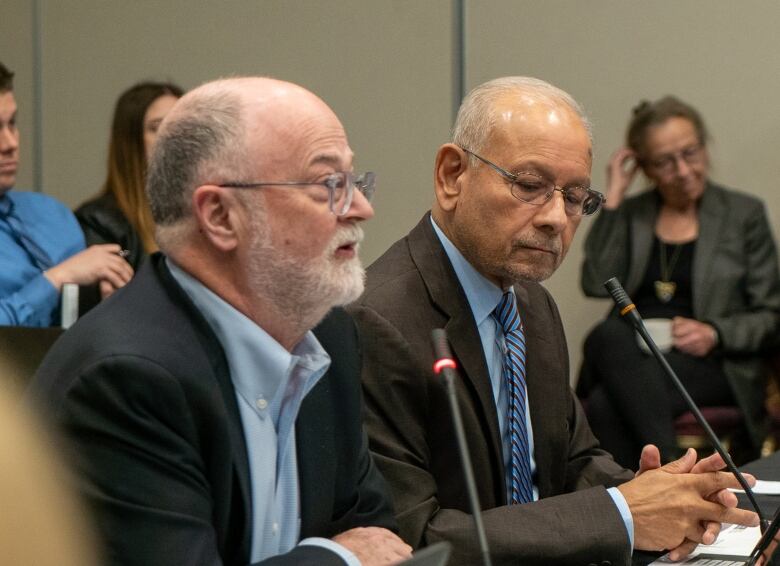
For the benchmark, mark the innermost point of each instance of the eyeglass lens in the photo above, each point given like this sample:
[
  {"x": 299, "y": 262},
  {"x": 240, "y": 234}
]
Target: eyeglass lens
[
  {"x": 342, "y": 187},
  {"x": 533, "y": 189}
]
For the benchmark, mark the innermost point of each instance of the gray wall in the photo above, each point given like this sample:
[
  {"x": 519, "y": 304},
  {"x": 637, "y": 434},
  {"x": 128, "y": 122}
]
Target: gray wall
[{"x": 386, "y": 67}]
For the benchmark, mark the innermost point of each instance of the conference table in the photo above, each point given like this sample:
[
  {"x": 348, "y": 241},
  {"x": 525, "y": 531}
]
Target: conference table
[{"x": 766, "y": 469}]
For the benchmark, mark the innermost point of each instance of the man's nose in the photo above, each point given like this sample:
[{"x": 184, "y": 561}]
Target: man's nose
[
  {"x": 9, "y": 141},
  {"x": 552, "y": 215},
  {"x": 359, "y": 209},
  {"x": 681, "y": 166}
]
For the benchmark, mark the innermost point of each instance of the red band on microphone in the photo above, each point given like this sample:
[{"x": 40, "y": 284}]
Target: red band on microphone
[{"x": 443, "y": 363}]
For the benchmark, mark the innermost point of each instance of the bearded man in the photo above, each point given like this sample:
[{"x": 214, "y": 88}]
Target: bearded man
[{"x": 209, "y": 424}]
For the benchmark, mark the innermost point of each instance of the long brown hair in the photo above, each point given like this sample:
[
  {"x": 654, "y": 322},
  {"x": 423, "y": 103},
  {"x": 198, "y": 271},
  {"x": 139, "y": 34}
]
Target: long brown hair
[{"x": 127, "y": 165}]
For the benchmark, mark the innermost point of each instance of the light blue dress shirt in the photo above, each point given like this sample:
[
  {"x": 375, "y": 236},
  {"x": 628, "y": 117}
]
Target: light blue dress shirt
[
  {"x": 27, "y": 298},
  {"x": 270, "y": 385},
  {"x": 483, "y": 296}
]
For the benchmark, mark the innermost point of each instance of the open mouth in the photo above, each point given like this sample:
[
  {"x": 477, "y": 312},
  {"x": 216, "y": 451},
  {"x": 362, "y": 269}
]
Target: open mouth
[{"x": 346, "y": 250}]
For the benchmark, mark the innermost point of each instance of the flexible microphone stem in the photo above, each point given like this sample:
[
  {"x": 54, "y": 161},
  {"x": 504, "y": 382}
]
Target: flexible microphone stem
[
  {"x": 628, "y": 310},
  {"x": 445, "y": 368}
]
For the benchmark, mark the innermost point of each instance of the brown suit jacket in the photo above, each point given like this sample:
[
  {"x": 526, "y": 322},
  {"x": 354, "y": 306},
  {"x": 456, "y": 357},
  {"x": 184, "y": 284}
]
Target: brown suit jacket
[{"x": 412, "y": 289}]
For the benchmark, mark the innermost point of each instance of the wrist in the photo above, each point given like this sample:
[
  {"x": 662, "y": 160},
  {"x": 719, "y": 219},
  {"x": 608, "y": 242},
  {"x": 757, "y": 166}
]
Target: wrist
[{"x": 55, "y": 277}]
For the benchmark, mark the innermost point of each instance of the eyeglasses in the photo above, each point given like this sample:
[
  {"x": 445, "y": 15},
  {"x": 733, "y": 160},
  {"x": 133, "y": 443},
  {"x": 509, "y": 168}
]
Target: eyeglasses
[
  {"x": 341, "y": 187},
  {"x": 692, "y": 155},
  {"x": 534, "y": 189}
]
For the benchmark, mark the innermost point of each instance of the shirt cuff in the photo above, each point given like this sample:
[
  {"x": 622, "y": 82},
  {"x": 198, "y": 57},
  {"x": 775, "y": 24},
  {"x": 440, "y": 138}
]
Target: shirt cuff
[
  {"x": 625, "y": 512},
  {"x": 347, "y": 556},
  {"x": 34, "y": 304}
]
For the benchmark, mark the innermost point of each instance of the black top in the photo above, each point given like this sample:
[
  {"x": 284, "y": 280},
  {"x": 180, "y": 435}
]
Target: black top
[
  {"x": 680, "y": 271},
  {"x": 104, "y": 223}
]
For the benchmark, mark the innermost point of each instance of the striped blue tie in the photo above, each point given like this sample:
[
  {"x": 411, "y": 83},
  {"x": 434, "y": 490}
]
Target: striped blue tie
[{"x": 521, "y": 490}]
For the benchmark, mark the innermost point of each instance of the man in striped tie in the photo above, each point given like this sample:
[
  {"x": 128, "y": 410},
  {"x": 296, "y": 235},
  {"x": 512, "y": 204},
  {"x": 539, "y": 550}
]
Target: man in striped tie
[
  {"x": 41, "y": 244},
  {"x": 510, "y": 192}
]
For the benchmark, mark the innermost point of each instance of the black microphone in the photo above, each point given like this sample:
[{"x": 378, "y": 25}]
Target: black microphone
[
  {"x": 629, "y": 311},
  {"x": 445, "y": 368}
]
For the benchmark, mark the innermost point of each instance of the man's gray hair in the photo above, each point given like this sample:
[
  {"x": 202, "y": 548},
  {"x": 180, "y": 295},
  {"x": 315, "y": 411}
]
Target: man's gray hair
[
  {"x": 477, "y": 117},
  {"x": 205, "y": 141}
]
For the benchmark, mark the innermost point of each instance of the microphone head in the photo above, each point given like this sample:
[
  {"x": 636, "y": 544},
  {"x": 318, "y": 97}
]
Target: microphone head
[{"x": 618, "y": 294}]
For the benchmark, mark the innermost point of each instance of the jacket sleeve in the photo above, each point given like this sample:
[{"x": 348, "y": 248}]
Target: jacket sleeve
[
  {"x": 32, "y": 305},
  {"x": 98, "y": 226},
  {"x": 755, "y": 327},
  {"x": 606, "y": 251}
]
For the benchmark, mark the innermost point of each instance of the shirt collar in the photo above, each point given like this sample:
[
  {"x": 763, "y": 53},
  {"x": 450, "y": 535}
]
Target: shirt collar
[
  {"x": 481, "y": 293},
  {"x": 260, "y": 367}
]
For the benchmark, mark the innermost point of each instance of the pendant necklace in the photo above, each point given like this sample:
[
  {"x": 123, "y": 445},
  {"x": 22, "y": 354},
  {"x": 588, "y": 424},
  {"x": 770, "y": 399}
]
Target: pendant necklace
[{"x": 665, "y": 288}]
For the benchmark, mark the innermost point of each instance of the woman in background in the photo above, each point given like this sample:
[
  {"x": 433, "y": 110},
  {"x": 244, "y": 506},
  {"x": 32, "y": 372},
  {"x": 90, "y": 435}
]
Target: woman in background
[
  {"x": 120, "y": 213},
  {"x": 689, "y": 251}
]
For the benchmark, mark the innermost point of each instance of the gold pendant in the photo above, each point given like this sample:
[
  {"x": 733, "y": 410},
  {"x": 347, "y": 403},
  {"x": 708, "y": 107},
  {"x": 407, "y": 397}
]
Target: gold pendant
[{"x": 664, "y": 290}]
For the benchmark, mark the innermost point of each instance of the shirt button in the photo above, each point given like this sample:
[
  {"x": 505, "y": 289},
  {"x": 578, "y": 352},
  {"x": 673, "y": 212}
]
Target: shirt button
[
  {"x": 275, "y": 528},
  {"x": 261, "y": 403}
]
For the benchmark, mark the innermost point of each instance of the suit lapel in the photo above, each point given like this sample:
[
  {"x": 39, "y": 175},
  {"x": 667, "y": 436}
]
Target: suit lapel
[
  {"x": 537, "y": 387},
  {"x": 210, "y": 344},
  {"x": 315, "y": 446},
  {"x": 544, "y": 365},
  {"x": 711, "y": 218},
  {"x": 642, "y": 230},
  {"x": 448, "y": 295}
]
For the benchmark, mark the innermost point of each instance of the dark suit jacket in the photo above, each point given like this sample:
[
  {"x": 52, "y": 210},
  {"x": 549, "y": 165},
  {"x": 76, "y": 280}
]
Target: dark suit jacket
[
  {"x": 411, "y": 290},
  {"x": 141, "y": 389},
  {"x": 736, "y": 286}
]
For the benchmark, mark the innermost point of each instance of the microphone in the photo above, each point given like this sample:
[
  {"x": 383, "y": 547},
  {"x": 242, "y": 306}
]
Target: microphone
[
  {"x": 445, "y": 367},
  {"x": 629, "y": 311}
]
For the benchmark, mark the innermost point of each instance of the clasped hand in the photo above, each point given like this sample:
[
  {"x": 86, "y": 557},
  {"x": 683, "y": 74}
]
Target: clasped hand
[{"x": 682, "y": 504}]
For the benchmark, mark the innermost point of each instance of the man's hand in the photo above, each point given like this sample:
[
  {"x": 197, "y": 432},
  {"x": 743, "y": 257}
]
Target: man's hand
[
  {"x": 97, "y": 264},
  {"x": 680, "y": 501},
  {"x": 693, "y": 337},
  {"x": 374, "y": 546}
]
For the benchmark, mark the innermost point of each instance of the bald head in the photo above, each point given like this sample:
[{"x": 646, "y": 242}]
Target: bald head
[
  {"x": 484, "y": 108},
  {"x": 230, "y": 130}
]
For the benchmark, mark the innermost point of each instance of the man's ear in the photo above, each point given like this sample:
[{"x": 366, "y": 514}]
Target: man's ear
[
  {"x": 216, "y": 213},
  {"x": 451, "y": 164}
]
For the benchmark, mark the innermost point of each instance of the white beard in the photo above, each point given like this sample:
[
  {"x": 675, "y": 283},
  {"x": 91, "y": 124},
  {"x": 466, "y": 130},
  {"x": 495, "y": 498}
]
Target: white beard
[{"x": 304, "y": 294}]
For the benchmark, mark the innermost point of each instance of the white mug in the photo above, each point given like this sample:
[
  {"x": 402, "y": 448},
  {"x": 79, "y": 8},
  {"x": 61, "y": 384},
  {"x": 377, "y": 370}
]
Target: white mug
[{"x": 660, "y": 330}]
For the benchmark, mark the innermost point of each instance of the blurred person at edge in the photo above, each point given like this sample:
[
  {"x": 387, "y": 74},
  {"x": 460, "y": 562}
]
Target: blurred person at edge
[
  {"x": 41, "y": 523},
  {"x": 41, "y": 244},
  {"x": 696, "y": 254}
]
